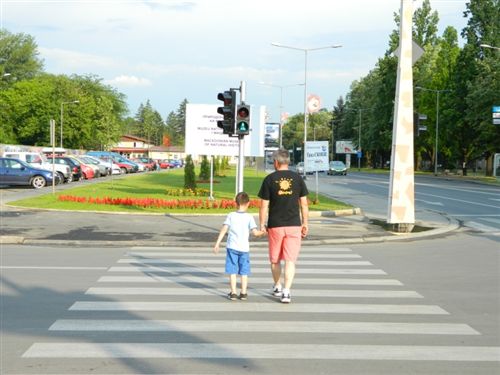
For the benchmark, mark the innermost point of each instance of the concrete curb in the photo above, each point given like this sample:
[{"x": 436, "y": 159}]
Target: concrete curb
[{"x": 452, "y": 226}]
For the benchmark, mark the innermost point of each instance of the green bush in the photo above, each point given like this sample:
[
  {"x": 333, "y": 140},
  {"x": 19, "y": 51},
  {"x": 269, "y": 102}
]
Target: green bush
[
  {"x": 204, "y": 169},
  {"x": 189, "y": 175}
]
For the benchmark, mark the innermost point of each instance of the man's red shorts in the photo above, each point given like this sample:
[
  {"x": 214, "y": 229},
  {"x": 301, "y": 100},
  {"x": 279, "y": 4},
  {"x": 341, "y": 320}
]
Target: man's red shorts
[{"x": 284, "y": 243}]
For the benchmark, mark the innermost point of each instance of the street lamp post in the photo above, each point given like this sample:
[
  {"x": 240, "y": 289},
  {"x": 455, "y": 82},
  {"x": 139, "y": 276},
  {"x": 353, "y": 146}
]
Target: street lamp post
[
  {"x": 437, "y": 123},
  {"x": 281, "y": 105},
  {"x": 360, "y": 110},
  {"x": 488, "y": 46},
  {"x": 62, "y": 114},
  {"x": 305, "y": 50}
]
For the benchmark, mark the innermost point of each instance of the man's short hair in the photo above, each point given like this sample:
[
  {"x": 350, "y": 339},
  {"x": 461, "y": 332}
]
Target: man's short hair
[
  {"x": 281, "y": 156},
  {"x": 242, "y": 198}
]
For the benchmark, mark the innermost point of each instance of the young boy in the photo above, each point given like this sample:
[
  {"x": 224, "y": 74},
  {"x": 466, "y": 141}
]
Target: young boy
[{"x": 239, "y": 224}]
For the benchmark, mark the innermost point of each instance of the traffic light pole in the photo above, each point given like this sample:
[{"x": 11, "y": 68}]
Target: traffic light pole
[{"x": 241, "y": 141}]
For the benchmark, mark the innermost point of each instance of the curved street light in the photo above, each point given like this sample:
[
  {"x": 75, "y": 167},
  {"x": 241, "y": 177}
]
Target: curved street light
[
  {"x": 488, "y": 46},
  {"x": 305, "y": 50},
  {"x": 437, "y": 121}
]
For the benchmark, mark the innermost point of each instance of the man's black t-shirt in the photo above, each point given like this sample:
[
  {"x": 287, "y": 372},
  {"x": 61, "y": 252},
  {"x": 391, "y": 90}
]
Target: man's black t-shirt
[{"x": 283, "y": 190}]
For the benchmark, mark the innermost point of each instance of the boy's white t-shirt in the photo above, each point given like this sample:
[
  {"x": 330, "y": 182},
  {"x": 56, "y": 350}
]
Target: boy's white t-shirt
[{"x": 240, "y": 224}]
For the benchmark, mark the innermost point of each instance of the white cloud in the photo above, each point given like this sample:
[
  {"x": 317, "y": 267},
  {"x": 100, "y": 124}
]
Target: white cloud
[
  {"x": 73, "y": 60},
  {"x": 129, "y": 81}
]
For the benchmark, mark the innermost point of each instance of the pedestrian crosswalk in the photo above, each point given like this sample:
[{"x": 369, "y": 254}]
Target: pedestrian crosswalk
[{"x": 170, "y": 305}]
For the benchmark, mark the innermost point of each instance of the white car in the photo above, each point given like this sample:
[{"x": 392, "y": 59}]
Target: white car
[{"x": 38, "y": 160}]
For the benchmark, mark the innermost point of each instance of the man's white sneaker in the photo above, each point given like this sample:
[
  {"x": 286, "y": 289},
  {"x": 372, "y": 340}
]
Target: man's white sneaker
[{"x": 286, "y": 298}]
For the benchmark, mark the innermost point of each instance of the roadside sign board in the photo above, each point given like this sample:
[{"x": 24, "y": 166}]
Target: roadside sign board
[
  {"x": 203, "y": 137},
  {"x": 316, "y": 156},
  {"x": 496, "y": 166},
  {"x": 344, "y": 147},
  {"x": 495, "y": 112}
]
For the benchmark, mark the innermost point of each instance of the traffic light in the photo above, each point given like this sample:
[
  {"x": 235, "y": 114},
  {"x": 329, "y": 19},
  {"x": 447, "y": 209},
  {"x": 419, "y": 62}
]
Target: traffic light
[
  {"x": 243, "y": 119},
  {"x": 228, "y": 111}
]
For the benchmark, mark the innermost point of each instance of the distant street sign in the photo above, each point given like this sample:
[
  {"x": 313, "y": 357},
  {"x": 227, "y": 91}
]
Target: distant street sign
[
  {"x": 422, "y": 116},
  {"x": 496, "y": 114},
  {"x": 359, "y": 154}
]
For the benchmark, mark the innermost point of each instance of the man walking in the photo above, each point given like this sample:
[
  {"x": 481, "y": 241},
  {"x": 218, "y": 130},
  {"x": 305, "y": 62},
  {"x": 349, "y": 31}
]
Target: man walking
[{"x": 284, "y": 204}]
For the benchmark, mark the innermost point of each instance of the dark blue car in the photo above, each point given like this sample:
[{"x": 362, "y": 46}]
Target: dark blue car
[{"x": 17, "y": 172}]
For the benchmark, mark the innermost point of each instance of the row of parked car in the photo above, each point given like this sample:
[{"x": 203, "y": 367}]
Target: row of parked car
[{"x": 36, "y": 169}]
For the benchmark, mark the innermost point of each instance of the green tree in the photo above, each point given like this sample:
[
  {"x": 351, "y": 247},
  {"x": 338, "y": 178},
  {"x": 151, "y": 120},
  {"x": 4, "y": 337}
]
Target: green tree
[
  {"x": 176, "y": 125},
  {"x": 204, "y": 169},
  {"x": 31, "y": 104},
  {"x": 471, "y": 100},
  {"x": 148, "y": 124},
  {"x": 189, "y": 174},
  {"x": 18, "y": 57}
]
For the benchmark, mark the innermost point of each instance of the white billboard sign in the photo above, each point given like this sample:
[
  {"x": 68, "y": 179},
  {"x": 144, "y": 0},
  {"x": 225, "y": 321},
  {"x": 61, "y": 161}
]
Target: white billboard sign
[
  {"x": 203, "y": 137},
  {"x": 344, "y": 147},
  {"x": 316, "y": 156}
]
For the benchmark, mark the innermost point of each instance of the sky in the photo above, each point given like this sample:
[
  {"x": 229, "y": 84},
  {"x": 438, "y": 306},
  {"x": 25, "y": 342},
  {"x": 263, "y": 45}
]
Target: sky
[{"x": 166, "y": 51}]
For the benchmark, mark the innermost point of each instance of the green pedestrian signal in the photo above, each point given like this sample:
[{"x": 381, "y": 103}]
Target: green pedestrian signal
[{"x": 243, "y": 119}]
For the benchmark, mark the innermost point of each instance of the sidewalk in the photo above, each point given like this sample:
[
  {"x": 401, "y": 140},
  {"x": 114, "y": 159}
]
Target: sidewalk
[{"x": 42, "y": 227}]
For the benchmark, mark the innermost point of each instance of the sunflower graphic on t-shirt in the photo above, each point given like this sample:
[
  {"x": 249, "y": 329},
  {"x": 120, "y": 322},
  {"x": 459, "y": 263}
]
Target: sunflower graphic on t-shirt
[{"x": 285, "y": 186}]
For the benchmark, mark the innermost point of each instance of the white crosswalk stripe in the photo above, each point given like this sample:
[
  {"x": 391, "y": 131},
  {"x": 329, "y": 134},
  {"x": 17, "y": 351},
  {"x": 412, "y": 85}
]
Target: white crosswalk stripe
[
  {"x": 180, "y": 297},
  {"x": 262, "y": 326},
  {"x": 220, "y": 291},
  {"x": 260, "y": 270},
  {"x": 260, "y": 262},
  {"x": 218, "y": 279}
]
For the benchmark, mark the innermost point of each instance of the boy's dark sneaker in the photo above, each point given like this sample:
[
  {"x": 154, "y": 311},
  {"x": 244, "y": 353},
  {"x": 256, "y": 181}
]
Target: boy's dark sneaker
[
  {"x": 243, "y": 296},
  {"x": 232, "y": 296}
]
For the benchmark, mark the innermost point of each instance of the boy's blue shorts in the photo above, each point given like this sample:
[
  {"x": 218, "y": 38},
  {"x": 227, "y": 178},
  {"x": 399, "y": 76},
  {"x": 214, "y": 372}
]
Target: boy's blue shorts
[{"x": 237, "y": 262}]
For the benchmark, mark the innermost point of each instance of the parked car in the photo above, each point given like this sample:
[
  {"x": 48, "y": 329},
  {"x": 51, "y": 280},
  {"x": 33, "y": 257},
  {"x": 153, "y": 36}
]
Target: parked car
[
  {"x": 73, "y": 164},
  {"x": 337, "y": 168},
  {"x": 104, "y": 168},
  {"x": 117, "y": 158},
  {"x": 17, "y": 172},
  {"x": 37, "y": 160},
  {"x": 87, "y": 171},
  {"x": 176, "y": 163},
  {"x": 300, "y": 168},
  {"x": 124, "y": 167},
  {"x": 95, "y": 168},
  {"x": 148, "y": 163},
  {"x": 165, "y": 164}
]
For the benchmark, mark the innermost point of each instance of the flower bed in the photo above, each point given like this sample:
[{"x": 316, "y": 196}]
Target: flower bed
[
  {"x": 188, "y": 192},
  {"x": 159, "y": 203}
]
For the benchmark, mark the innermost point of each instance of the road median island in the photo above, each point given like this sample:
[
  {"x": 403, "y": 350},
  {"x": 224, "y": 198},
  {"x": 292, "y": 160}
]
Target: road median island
[{"x": 159, "y": 193}]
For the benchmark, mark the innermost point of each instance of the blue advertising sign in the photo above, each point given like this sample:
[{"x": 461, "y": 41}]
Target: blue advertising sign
[{"x": 495, "y": 109}]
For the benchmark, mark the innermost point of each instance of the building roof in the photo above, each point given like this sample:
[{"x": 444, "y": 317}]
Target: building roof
[
  {"x": 167, "y": 149},
  {"x": 133, "y": 137}
]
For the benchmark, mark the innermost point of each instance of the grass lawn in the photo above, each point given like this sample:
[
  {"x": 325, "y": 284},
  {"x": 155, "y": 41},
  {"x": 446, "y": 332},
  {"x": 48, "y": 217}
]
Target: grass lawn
[{"x": 155, "y": 185}]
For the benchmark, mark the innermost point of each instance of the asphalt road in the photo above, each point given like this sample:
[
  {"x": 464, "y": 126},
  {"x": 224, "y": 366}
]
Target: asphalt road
[
  {"x": 425, "y": 307},
  {"x": 476, "y": 205}
]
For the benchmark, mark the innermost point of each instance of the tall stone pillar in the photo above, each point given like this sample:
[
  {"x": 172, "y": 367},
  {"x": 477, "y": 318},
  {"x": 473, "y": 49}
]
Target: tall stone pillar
[{"x": 401, "y": 207}]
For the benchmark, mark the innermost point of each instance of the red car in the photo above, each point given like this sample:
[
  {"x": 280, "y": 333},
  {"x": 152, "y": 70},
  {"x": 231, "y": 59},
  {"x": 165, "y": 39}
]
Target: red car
[
  {"x": 87, "y": 172},
  {"x": 148, "y": 163},
  {"x": 165, "y": 164}
]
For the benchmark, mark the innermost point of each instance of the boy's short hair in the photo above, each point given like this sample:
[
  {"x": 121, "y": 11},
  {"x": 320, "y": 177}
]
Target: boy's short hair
[{"x": 242, "y": 198}]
